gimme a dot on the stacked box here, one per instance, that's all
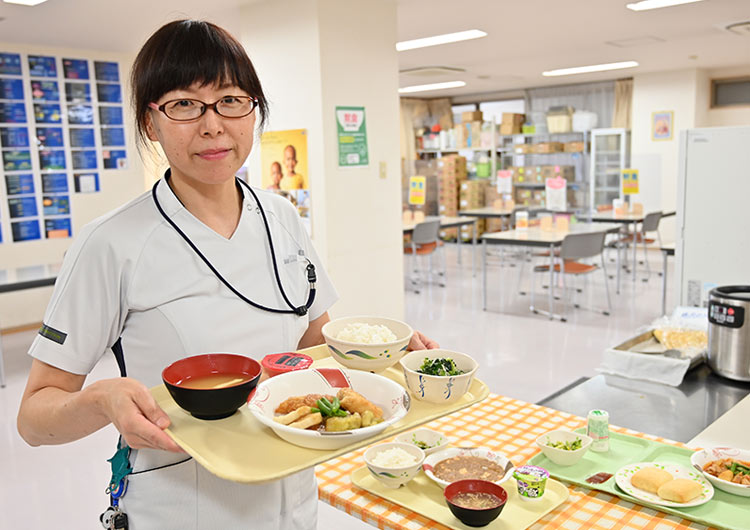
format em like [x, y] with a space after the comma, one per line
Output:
[453, 172]
[453, 165]
[527, 197]
[566, 172]
[522, 149]
[548, 147]
[472, 115]
[467, 231]
[512, 123]
[574, 147]
[471, 194]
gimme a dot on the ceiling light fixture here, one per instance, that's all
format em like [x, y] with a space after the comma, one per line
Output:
[645, 5]
[432, 86]
[592, 68]
[25, 2]
[440, 39]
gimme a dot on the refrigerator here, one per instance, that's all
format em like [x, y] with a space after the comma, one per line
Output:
[713, 212]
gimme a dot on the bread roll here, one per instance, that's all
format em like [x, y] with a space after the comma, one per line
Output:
[679, 490]
[650, 479]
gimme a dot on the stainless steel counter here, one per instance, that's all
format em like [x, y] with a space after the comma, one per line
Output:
[677, 413]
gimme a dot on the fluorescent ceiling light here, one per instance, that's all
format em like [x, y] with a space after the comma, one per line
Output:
[433, 86]
[592, 68]
[645, 5]
[439, 39]
[25, 2]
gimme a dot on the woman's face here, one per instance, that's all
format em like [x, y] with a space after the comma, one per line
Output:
[208, 150]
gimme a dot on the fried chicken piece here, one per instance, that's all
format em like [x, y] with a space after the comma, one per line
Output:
[293, 403]
[354, 402]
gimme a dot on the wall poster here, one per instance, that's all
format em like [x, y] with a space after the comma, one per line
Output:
[352, 137]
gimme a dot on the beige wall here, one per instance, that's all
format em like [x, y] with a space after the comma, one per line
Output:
[727, 116]
[117, 187]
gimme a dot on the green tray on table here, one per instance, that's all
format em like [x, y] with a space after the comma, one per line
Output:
[724, 510]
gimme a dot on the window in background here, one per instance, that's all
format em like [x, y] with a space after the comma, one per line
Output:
[458, 109]
[730, 92]
[494, 109]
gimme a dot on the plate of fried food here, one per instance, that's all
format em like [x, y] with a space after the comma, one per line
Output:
[328, 408]
[664, 484]
[726, 468]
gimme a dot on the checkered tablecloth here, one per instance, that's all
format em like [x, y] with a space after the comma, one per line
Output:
[511, 427]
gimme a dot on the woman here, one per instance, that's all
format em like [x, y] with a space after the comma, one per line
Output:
[132, 282]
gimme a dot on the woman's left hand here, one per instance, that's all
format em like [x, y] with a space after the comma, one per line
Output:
[421, 342]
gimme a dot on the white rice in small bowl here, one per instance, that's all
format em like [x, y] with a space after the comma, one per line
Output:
[394, 463]
[366, 342]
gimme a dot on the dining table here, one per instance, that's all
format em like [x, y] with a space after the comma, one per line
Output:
[536, 236]
[509, 426]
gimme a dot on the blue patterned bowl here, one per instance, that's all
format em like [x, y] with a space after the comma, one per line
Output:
[394, 476]
[433, 388]
[374, 357]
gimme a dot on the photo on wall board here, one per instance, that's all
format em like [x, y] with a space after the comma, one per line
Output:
[106, 71]
[113, 136]
[14, 137]
[12, 112]
[75, 68]
[57, 228]
[49, 137]
[77, 92]
[110, 115]
[47, 113]
[19, 184]
[81, 137]
[114, 159]
[11, 88]
[84, 159]
[55, 205]
[52, 159]
[10, 63]
[45, 91]
[22, 207]
[54, 183]
[42, 66]
[108, 93]
[80, 115]
[25, 230]
[17, 160]
[86, 182]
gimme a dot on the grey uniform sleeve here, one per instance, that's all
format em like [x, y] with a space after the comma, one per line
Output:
[85, 314]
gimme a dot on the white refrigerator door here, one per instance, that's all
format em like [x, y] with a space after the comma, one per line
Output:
[713, 212]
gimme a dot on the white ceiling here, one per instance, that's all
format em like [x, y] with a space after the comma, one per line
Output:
[525, 37]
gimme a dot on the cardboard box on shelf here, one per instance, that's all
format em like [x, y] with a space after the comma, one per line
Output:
[574, 147]
[473, 133]
[522, 149]
[459, 131]
[493, 224]
[548, 147]
[560, 119]
[513, 118]
[472, 115]
[566, 172]
[510, 128]
[448, 234]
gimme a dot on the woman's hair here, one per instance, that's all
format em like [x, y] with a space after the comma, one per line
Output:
[185, 52]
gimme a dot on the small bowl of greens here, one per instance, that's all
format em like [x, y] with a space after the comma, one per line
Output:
[564, 448]
[438, 376]
[427, 440]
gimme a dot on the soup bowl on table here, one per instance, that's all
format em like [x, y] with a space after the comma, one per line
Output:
[475, 502]
[366, 342]
[438, 376]
[213, 385]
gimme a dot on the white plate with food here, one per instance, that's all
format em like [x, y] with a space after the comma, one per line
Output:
[664, 484]
[328, 408]
[726, 468]
[460, 463]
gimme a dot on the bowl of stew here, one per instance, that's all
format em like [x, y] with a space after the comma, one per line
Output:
[461, 463]
[213, 385]
[475, 502]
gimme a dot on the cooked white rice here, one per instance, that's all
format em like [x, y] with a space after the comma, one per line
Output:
[366, 333]
[394, 457]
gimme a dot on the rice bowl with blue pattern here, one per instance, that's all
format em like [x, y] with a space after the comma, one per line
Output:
[372, 352]
[440, 389]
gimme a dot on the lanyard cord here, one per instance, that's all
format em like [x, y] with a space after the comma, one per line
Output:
[311, 276]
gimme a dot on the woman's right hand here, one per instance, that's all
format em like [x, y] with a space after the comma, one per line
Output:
[134, 412]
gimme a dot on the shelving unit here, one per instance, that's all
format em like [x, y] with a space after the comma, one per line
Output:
[610, 154]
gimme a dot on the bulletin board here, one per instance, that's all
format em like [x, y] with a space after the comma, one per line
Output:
[61, 126]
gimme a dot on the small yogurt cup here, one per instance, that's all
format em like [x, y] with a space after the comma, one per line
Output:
[282, 363]
[531, 482]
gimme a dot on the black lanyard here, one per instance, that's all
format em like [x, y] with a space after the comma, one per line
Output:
[311, 276]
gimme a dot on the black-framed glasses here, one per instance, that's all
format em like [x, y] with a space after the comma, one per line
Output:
[186, 109]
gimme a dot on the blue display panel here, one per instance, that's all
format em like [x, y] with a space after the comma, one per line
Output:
[49, 137]
[52, 159]
[75, 68]
[45, 91]
[114, 159]
[12, 113]
[10, 63]
[60, 227]
[47, 113]
[56, 204]
[106, 71]
[108, 93]
[86, 182]
[54, 183]
[11, 88]
[20, 184]
[84, 159]
[82, 138]
[77, 92]
[25, 230]
[113, 136]
[14, 137]
[80, 115]
[16, 160]
[22, 207]
[110, 115]
[42, 66]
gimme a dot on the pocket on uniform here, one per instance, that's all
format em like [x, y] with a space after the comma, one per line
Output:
[162, 499]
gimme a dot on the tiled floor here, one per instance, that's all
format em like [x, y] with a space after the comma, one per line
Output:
[521, 355]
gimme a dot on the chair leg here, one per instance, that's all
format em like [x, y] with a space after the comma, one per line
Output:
[606, 288]
[564, 310]
[520, 274]
[645, 258]
[533, 288]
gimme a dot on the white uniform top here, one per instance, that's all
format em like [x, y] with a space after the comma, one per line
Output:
[130, 276]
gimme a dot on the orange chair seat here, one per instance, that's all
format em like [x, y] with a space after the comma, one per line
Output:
[571, 267]
[545, 254]
[638, 237]
[427, 248]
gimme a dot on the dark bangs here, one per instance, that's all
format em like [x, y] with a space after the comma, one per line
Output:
[185, 52]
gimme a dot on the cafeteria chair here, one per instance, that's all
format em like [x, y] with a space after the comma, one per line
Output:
[425, 242]
[576, 247]
[649, 225]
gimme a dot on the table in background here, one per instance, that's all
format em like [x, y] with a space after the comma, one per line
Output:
[510, 427]
[666, 251]
[22, 278]
[454, 222]
[536, 237]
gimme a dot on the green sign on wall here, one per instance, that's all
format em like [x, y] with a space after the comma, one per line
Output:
[352, 137]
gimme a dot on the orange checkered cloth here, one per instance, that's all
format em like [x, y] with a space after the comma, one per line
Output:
[511, 427]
